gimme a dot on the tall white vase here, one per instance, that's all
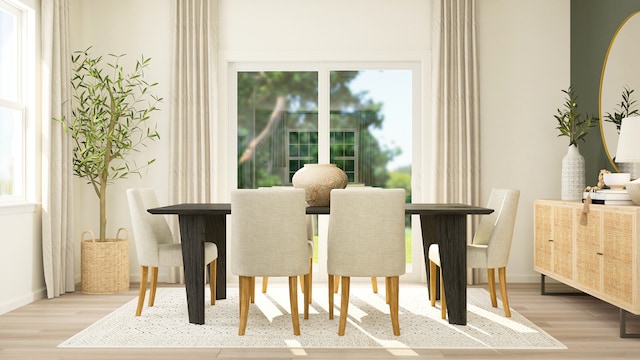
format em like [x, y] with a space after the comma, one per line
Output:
[573, 182]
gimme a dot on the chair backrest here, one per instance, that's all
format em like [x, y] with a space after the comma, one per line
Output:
[496, 229]
[269, 232]
[366, 232]
[148, 230]
[311, 222]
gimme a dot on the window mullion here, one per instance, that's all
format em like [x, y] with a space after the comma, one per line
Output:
[323, 115]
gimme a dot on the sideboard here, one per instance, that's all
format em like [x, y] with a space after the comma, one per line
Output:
[595, 249]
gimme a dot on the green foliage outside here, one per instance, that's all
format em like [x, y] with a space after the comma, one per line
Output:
[269, 103]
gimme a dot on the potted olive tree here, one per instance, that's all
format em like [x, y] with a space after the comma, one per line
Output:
[110, 119]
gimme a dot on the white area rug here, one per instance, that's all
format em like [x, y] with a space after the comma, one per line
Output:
[166, 324]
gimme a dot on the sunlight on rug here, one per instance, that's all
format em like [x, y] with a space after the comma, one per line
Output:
[166, 324]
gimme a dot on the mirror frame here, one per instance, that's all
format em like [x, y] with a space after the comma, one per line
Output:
[600, 110]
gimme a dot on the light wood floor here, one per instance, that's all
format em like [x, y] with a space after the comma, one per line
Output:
[587, 326]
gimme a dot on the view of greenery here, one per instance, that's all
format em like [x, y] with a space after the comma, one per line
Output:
[278, 132]
[272, 104]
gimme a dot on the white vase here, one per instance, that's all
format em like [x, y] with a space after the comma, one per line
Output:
[318, 180]
[573, 182]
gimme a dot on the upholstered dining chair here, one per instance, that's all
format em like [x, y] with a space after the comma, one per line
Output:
[269, 238]
[310, 235]
[155, 246]
[366, 239]
[374, 280]
[489, 248]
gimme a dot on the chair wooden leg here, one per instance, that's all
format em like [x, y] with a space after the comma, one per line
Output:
[330, 285]
[245, 294]
[293, 300]
[252, 297]
[374, 284]
[393, 283]
[303, 287]
[265, 283]
[336, 284]
[491, 280]
[432, 282]
[443, 299]
[502, 275]
[213, 272]
[144, 270]
[154, 286]
[344, 305]
[387, 286]
[307, 295]
[310, 280]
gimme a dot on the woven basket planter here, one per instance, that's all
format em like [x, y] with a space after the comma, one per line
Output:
[105, 264]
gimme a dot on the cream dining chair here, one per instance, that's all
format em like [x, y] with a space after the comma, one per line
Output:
[489, 248]
[269, 238]
[311, 225]
[155, 246]
[366, 239]
[310, 235]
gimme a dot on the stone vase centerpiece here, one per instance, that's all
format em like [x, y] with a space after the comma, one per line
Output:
[318, 180]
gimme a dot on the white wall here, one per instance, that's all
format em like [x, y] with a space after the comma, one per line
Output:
[524, 62]
[523, 49]
[20, 258]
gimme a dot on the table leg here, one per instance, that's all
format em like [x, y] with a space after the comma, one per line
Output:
[450, 233]
[194, 231]
[216, 232]
[192, 236]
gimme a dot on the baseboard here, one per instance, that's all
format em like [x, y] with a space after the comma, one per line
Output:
[22, 301]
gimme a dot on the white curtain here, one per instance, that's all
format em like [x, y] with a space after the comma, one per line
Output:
[57, 226]
[455, 167]
[455, 114]
[193, 102]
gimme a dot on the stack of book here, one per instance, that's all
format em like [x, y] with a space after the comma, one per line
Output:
[609, 197]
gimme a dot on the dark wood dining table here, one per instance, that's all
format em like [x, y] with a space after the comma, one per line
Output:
[442, 224]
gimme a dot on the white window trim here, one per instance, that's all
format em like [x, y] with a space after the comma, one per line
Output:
[27, 103]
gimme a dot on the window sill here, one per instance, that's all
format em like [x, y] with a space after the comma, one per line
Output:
[15, 209]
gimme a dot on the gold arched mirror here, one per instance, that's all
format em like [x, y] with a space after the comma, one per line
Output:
[620, 75]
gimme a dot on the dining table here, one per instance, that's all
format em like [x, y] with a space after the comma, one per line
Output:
[442, 224]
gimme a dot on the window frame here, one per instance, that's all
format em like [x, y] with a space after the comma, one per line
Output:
[26, 104]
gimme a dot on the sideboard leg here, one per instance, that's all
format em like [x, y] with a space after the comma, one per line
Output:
[623, 326]
[543, 290]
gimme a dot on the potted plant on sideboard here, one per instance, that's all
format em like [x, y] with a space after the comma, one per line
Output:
[110, 118]
[572, 125]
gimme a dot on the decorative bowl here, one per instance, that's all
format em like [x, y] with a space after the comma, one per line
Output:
[633, 188]
[617, 181]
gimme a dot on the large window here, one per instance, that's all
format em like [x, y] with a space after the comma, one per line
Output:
[365, 127]
[360, 120]
[16, 98]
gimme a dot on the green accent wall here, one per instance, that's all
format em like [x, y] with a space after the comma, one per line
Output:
[593, 24]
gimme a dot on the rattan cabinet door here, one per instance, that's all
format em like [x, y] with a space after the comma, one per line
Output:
[543, 237]
[618, 255]
[563, 227]
[589, 250]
